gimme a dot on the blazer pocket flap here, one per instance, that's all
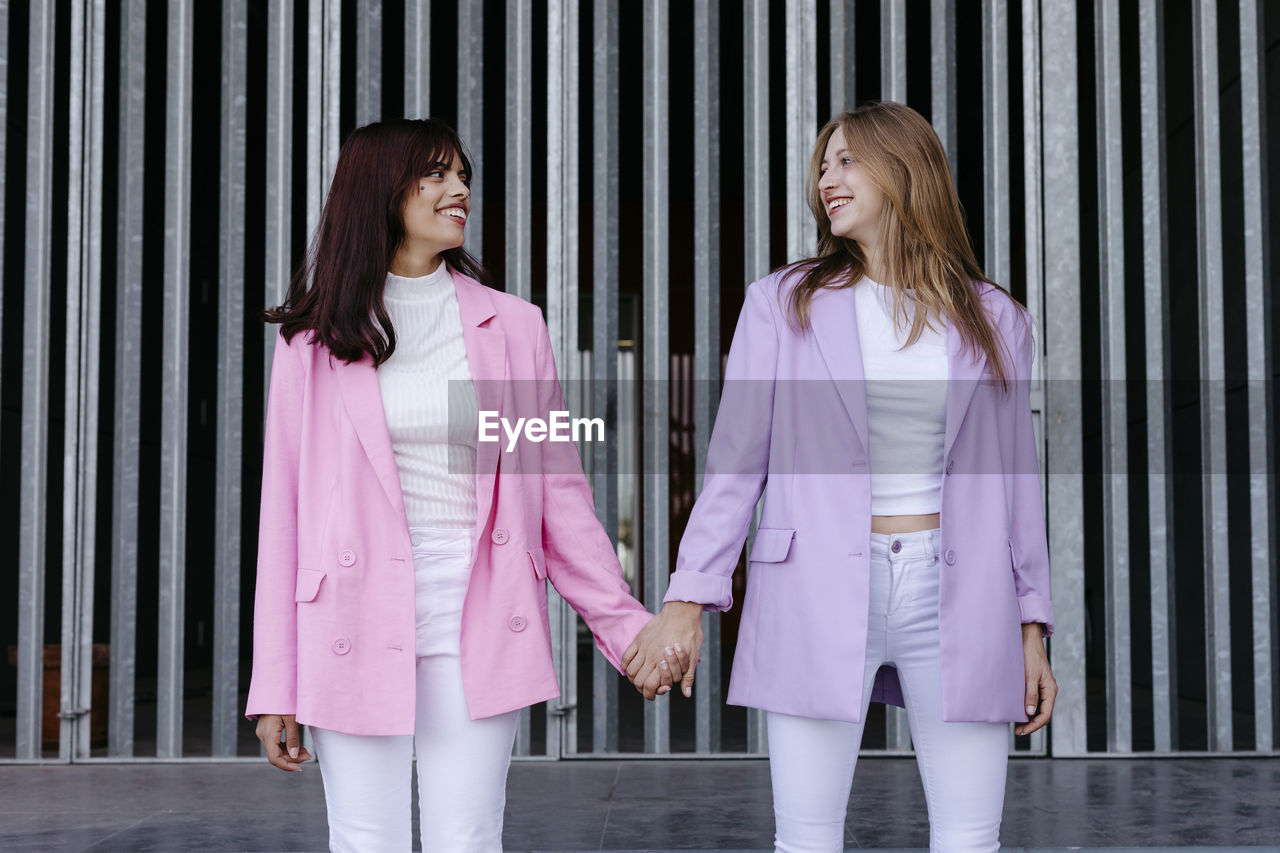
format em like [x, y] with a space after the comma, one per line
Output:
[308, 584]
[539, 562]
[772, 544]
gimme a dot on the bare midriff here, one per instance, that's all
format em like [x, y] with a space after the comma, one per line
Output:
[904, 523]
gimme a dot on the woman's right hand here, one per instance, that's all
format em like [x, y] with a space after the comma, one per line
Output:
[293, 753]
[668, 646]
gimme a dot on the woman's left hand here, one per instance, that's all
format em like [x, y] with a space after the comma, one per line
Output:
[1042, 689]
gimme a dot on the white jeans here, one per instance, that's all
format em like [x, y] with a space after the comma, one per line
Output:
[962, 765]
[462, 763]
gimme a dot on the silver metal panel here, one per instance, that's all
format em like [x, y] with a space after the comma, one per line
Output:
[801, 123]
[706, 313]
[656, 423]
[369, 61]
[471, 111]
[175, 381]
[562, 313]
[279, 218]
[1159, 446]
[231, 314]
[1033, 238]
[893, 50]
[1115, 425]
[128, 379]
[604, 327]
[1062, 225]
[519, 133]
[755, 132]
[995, 140]
[83, 328]
[942, 64]
[842, 43]
[417, 51]
[33, 483]
[1213, 404]
[756, 79]
[1257, 267]
[324, 95]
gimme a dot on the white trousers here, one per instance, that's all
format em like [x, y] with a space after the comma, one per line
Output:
[462, 763]
[962, 765]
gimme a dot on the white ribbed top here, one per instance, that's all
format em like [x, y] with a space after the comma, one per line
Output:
[430, 401]
[906, 405]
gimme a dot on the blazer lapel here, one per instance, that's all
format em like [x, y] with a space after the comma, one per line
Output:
[963, 373]
[487, 359]
[358, 383]
[835, 327]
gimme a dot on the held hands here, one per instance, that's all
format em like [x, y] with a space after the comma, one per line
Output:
[1042, 689]
[666, 651]
[289, 756]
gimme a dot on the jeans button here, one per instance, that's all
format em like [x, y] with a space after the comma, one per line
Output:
[896, 546]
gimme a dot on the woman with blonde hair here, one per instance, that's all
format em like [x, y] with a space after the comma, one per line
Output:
[881, 390]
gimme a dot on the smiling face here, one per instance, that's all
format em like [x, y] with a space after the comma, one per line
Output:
[435, 212]
[852, 202]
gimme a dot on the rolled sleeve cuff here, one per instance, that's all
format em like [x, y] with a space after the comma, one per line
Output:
[1036, 608]
[711, 591]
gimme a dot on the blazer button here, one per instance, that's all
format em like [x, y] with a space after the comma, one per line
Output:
[347, 557]
[341, 646]
[500, 536]
[516, 623]
[950, 557]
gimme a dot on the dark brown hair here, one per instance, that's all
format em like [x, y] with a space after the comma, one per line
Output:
[922, 238]
[336, 293]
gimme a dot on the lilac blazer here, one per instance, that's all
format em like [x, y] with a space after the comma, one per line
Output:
[794, 414]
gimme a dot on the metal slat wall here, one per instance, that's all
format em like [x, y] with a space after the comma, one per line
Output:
[1050, 186]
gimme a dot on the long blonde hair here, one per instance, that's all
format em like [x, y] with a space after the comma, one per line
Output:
[922, 240]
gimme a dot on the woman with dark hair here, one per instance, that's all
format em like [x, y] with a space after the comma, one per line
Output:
[402, 561]
[882, 390]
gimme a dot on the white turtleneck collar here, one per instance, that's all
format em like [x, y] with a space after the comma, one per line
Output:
[418, 288]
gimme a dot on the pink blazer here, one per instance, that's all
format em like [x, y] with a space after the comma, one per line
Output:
[333, 637]
[794, 414]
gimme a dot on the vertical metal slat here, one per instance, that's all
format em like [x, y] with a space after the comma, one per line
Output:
[706, 313]
[755, 114]
[324, 95]
[1262, 498]
[279, 171]
[417, 67]
[656, 352]
[995, 140]
[173, 407]
[604, 326]
[942, 64]
[128, 379]
[562, 313]
[35, 378]
[368, 61]
[471, 111]
[1115, 425]
[1159, 447]
[843, 46]
[893, 50]
[801, 123]
[1061, 135]
[1213, 404]
[231, 313]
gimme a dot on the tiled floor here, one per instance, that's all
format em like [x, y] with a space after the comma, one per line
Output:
[647, 805]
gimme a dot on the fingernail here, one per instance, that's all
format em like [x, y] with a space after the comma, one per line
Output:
[1031, 709]
[678, 648]
[688, 691]
[668, 650]
[663, 665]
[293, 753]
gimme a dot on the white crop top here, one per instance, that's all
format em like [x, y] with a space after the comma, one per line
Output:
[906, 405]
[430, 401]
